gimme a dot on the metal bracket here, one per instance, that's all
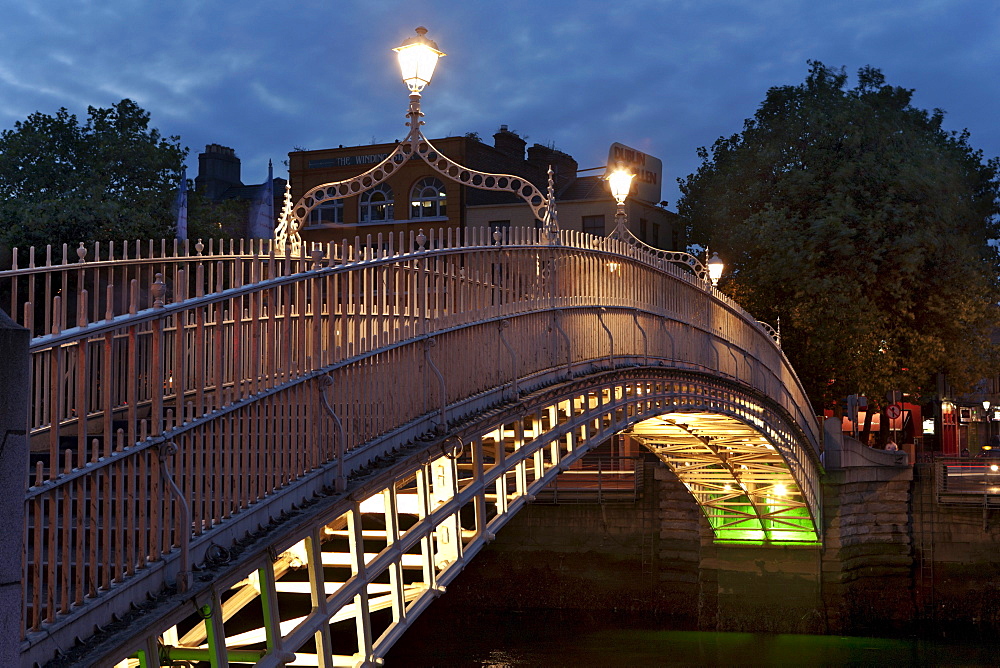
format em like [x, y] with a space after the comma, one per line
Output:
[772, 332]
[673, 344]
[557, 320]
[443, 425]
[294, 218]
[165, 450]
[502, 325]
[645, 341]
[611, 354]
[340, 482]
[681, 258]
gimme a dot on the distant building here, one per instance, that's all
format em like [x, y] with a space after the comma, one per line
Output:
[418, 197]
[219, 179]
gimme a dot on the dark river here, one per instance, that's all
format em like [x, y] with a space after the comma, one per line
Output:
[453, 638]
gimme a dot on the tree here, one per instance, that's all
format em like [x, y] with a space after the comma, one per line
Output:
[863, 225]
[223, 219]
[112, 178]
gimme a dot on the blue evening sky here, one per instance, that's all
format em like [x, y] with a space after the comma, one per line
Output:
[663, 76]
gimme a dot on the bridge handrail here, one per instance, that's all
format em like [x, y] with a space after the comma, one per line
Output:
[345, 257]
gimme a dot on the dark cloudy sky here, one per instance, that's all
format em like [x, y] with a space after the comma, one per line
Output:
[664, 76]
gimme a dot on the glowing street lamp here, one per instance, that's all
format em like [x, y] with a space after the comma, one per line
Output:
[620, 182]
[417, 58]
[715, 268]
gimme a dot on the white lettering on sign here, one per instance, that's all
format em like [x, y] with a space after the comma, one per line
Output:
[348, 160]
[647, 169]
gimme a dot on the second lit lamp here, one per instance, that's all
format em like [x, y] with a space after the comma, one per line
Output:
[620, 183]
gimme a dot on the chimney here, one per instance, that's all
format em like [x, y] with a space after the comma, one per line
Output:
[218, 170]
[563, 165]
[509, 143]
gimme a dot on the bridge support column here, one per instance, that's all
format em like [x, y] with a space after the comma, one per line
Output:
[14, 384]
[868, 552]
[765, 588]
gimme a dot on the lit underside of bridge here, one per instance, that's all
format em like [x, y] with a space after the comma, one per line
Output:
[344, 589]
[739, 479]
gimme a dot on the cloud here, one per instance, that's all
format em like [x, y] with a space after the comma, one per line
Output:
[277, 103]
[584, 73]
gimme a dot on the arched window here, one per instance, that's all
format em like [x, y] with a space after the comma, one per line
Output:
[330, 211]
[376, 204]
[428, 199]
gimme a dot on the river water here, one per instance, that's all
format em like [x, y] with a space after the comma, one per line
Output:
[455, 639]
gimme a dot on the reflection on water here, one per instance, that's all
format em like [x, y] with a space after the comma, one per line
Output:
[582, 640]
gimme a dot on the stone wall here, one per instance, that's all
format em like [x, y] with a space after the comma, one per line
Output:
[956, 571]
[893, 559]
[867, 552]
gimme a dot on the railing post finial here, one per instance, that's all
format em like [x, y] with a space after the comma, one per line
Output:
[159, 289]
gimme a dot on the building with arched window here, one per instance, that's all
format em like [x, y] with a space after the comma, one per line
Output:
[417, 197]
[377, 205]
[428, 199]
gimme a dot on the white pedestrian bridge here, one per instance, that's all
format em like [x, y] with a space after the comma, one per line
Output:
[238, 456]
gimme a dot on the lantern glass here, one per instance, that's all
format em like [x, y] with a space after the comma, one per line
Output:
[417, 58]
[715, 268]
[620, 182]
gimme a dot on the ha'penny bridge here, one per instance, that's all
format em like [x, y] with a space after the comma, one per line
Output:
[245, 455]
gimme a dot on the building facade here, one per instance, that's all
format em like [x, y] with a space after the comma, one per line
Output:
[417, 197]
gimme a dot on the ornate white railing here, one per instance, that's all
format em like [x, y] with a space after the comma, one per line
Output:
[32, 278]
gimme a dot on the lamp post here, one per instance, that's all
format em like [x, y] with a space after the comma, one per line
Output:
[987, 470]
[620, 183]
[986, 416]
[418, 56]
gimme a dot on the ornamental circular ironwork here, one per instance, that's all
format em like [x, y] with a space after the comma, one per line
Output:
[415, 142]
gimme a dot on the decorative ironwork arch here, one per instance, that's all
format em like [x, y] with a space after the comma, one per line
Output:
[294, 218]
[681, 258]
